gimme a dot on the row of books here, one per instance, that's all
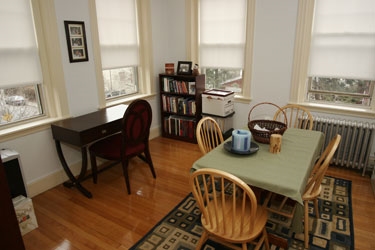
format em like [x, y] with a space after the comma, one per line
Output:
[179, 105]
[181, 87]
[180, 126]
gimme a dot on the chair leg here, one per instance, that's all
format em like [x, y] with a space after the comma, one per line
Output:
[316, 208]
[266, 242]
[94, 168]
[306, 223]
[149, 161]
[202, 240]
[244, 246]
[125, 164]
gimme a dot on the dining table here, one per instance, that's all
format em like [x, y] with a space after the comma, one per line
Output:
[285, 173]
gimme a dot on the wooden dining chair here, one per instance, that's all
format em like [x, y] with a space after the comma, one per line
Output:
[131, 142]
[229, 208]
[209, 134]
[281, 205]
[297, 116]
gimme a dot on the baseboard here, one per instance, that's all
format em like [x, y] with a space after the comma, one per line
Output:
[52, 180]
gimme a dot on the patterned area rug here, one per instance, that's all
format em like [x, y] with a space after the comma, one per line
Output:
[181, 228]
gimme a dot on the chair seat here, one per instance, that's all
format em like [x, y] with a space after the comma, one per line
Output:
[110, 148]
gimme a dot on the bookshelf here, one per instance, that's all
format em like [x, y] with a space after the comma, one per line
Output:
[181, 105]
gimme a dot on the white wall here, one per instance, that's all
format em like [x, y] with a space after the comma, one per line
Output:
[275, 23]
[274, 32]
[80, 80]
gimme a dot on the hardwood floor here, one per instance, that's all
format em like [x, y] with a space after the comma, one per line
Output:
[112, 219]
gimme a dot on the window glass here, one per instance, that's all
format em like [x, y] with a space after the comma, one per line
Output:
[118, 82]
[340, 91]
[221, 78]
[20, 103]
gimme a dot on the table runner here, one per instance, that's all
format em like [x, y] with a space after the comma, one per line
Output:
[284, 173]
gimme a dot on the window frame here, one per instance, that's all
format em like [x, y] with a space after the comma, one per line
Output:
[192, 23]
[145, 68]
[53, 94]
[299, 82]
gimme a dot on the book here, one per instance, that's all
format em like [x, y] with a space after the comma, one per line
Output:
[192, 88]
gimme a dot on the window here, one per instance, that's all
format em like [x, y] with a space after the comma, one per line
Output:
[118, 36]
[20, 93]
[340, 91]
[222, 37]
[338, 65]
[223, 46]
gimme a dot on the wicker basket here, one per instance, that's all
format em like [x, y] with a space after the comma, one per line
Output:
[273, 127]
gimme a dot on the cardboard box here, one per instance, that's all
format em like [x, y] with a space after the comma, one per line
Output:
[25, 214]
[218, 102]
[225, 123]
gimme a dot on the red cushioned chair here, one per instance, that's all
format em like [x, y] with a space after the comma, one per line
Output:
[131, 142]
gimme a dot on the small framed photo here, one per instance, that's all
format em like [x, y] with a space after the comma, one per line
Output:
[184, 68]
[76, 40]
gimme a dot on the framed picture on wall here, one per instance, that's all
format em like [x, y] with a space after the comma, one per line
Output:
[76, 40]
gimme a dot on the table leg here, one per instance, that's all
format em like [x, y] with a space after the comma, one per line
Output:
[73, 181]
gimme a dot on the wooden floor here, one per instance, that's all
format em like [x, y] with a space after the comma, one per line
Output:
[112, 219]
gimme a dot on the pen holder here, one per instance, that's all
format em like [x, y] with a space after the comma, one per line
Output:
[275, 143]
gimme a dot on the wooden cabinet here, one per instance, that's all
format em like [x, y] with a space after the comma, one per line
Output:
[10, 236]
[181, 105]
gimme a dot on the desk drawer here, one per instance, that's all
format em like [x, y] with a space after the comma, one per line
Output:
[100, 132]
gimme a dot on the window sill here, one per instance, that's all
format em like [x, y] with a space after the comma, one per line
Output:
[339, 110]
[16, 131]
[127, 100]
[242, 99]
[26, 129]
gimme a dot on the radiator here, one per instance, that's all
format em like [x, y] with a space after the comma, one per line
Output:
[356, 142]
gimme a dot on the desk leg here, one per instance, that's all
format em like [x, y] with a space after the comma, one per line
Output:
[76, 182]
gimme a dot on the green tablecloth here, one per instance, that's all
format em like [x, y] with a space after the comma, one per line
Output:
[285, 173]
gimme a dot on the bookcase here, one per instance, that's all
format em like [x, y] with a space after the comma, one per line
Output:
[181, 105]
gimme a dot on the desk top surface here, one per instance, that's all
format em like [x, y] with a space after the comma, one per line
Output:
[92, 120]
[284, 173]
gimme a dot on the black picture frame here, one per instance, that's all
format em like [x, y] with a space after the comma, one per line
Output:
[76, 40]
[184, 68]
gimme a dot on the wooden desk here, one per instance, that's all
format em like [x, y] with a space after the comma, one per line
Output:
[81, 131]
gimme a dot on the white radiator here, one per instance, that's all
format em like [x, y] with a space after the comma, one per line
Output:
[356, 141]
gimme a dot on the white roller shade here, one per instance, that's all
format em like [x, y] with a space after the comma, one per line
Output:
[117, 24]
[222, 34]
[343, 39]
[19, 56]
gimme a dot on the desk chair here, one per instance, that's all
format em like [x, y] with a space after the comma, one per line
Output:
[209, 134]
[131, 142]
[277, 205]
[298, 116]
[229, 209]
